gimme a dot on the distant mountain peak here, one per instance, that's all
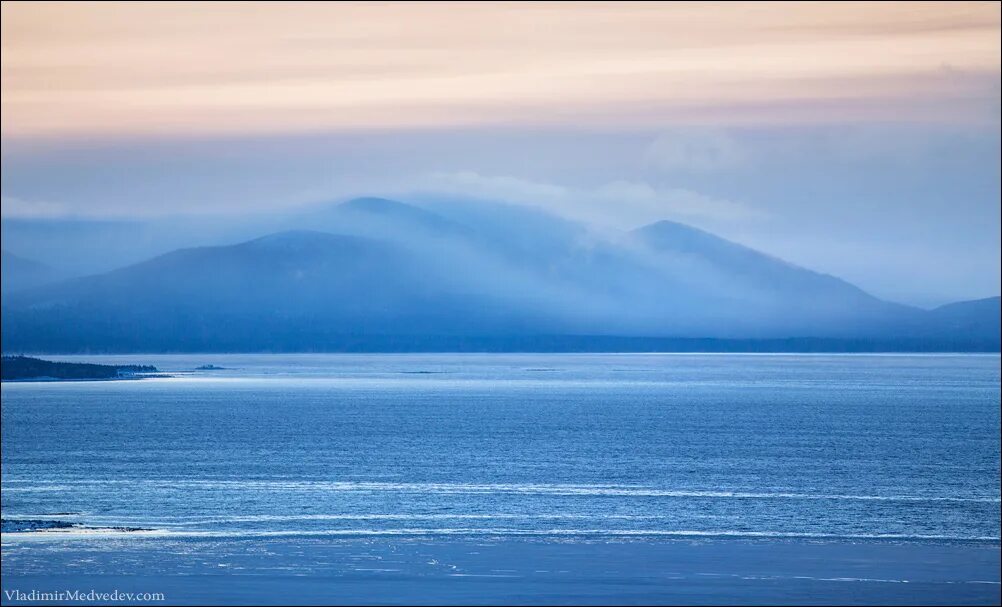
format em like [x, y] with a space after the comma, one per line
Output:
[21, 273]
[684, 238]
[665, 225]
[293, 236]
[667, 230]
[744, 264]
[985, 303]
[393, 213]
[375, 204]
[390, 208]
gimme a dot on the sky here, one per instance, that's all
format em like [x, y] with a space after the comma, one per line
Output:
[857, 139]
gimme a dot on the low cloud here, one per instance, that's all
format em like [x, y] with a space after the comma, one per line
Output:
[699, 150]
[13, 208]
[621, 204]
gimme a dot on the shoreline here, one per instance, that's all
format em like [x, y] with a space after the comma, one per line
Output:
[27, 368]
[53, 380]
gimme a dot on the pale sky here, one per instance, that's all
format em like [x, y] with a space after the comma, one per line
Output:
[182, 69]
[835, 135]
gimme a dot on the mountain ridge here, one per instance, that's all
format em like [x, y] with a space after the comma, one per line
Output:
[394, 269]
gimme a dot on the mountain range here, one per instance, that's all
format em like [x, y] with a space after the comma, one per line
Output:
[378, 274]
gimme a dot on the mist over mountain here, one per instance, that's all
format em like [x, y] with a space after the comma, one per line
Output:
[20, 273]
[379, 274]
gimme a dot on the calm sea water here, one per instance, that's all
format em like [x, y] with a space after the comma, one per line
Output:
[561, 445]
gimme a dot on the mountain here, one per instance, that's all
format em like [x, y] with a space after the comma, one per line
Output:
[976, 317]
[746, 266]
[773, 292]
[80, 246]
[381, 214]
[84, 246]
[290, 290]
[19, 273]
[378, 274]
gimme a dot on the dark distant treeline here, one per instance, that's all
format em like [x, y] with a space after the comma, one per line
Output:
[24, 367]
[291, 342]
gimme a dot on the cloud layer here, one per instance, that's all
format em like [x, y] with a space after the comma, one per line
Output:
[621, 204]
[186, 69]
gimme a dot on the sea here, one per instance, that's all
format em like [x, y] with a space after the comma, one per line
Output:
[553, 447]
[847, 446]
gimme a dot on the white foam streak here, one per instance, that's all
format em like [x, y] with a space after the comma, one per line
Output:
[499, 532]
[510, 488]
